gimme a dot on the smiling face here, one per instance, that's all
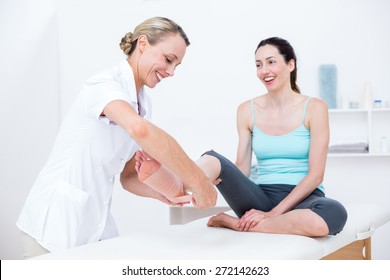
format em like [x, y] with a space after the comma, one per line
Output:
[160, 60]
[272, 69]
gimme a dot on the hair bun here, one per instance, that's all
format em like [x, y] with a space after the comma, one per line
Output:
[126, 42]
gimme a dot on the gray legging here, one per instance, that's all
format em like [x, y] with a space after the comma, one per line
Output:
[242, 195]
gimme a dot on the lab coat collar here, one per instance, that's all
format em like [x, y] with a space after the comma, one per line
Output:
[128, 77]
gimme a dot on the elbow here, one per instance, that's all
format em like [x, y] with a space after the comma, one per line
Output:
[139, 130]
[243, 167]
[318, 179]
[126, 180]
[123, 181]
[246, 171]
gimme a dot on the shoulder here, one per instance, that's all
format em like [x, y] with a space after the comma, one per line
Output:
[244, 106]
[317, 105]
[117, 77]
[244, 115]
[317, 113]
[255, 102]
[244, 110]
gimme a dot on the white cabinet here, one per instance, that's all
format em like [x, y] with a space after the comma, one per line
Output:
[370, 126]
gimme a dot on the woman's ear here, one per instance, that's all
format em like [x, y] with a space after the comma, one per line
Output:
[142, 43]
[291, 65]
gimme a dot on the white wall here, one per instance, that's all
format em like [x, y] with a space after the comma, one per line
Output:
[198, 105]
[29, 106]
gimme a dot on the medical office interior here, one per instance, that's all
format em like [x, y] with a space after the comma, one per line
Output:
[49, 47]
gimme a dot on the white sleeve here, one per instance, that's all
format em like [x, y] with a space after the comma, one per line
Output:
[98, 95]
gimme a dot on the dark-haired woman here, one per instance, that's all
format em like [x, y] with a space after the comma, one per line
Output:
[289, 133]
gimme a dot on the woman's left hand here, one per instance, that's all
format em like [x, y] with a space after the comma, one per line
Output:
[250, 219]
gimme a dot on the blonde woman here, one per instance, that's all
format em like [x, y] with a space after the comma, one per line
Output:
[69, 204]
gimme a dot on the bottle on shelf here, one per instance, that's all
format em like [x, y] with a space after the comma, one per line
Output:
[368, 96]
[377, 103]
[328, 84]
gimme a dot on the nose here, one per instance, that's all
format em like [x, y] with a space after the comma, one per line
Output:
[170, 71]
[264, 69]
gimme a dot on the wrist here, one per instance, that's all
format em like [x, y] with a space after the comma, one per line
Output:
[196, 178]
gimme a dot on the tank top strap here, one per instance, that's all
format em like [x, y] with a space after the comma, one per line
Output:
[305, 109]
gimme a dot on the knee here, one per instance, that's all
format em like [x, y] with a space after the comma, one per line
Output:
[211, 165]
[211, 153]
[341, 217]
[336, 218]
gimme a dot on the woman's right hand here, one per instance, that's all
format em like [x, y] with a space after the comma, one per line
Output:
[251, 219]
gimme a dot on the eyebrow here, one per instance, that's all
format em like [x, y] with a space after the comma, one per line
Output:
[174, 56]
[267, 58]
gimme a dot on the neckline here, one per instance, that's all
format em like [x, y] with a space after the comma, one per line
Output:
[284, 134]
[302, 124]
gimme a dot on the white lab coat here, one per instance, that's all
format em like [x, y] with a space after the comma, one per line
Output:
[69, 204]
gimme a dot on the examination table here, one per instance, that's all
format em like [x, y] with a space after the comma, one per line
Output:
[195, 240]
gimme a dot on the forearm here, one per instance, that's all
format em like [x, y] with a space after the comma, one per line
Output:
[165, 149]
[244, 168]
[133, 185]
[299, 193]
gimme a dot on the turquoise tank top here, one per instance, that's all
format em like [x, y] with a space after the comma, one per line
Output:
[282, 159]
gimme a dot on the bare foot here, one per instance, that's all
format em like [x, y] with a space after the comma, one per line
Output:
[224, 220]
[145, 165]
[156, 176]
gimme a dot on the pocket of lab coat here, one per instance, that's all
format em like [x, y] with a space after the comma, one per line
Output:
[71, 193]
[67, 216]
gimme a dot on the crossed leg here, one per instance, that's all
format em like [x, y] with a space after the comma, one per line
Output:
[299, 222]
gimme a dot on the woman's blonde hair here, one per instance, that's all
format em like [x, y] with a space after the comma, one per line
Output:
[155, 29]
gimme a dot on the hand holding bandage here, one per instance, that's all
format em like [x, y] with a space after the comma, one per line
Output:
[163, 181]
